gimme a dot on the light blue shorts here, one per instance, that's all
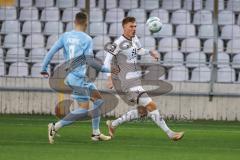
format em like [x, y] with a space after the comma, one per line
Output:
[82, 89]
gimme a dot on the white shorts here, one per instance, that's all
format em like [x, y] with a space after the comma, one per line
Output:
[136, 94]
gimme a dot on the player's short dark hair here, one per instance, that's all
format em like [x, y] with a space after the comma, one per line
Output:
[81, 18]
[128, 19]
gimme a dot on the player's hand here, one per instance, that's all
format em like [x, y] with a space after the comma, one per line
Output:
[109, 83]
[115, 70]
[155, 54]
[44, 74]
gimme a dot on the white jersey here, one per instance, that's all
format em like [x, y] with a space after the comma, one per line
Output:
[130, 83]
[130, 48]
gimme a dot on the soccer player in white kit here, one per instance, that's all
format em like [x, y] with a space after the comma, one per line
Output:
[129, 45]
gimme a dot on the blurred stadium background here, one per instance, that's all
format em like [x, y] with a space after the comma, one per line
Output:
[200, 51]
[199, 46]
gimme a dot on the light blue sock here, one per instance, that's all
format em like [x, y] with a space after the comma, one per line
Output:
[96, 116]
[77, 114]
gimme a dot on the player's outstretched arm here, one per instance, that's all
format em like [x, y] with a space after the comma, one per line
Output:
[154, 53]
[47, 59]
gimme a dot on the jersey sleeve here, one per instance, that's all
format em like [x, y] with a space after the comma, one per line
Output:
[57, 46]
[140, 50]
[110, 51]
[89, 48]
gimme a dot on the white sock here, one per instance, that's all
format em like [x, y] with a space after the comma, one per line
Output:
[130, 115]
[96, 132]
[58, 125]
[157, 118]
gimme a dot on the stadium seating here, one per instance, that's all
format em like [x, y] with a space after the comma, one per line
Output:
[36, 69]
[36, 55]
[201, 74]
[161, 13]
[65, 4]
[166, 31]
[13, 40]
[171, 4]
[230, 32]
[2, 68]
[196, 59]
[26, 3]
[149, 4]
[18, 69]
[223, 60]
[50, 14]
[30, 27]
[114, 15]
[233, 46]
[1, 55]
[173, 59]
[142, 30]
[148, 42]
[202, 17]
[178, 73]
[44, 3]
[96, 15]
[185, 30]
[98, 28]
[206, 31]
[168, 44]
[10, 27]
[8, 13]
[33, 26]
[115, 29]
[51, 40]
[16, 55]
[191, 44]
[209, 5]
[100, 41]
[181, 17]
[58, 57]
[29, 14]
[208, 46]
[139, 14]
[34, 41]
[226, 17]
[128, 4]
[69, 14]
[225, 74]
[81, 4]
[53, 28]
[236, 61]
[233, 5]
[109, 4]
[69, 26]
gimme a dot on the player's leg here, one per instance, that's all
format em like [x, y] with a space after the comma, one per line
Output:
[130, 115]
[96, 115]
[79, 94]
[133, 114]
[76, 114]
[154, 114]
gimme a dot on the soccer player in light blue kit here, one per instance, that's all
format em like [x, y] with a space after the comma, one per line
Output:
[76, 43]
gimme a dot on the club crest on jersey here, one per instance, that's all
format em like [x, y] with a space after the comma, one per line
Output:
[110, 47]
[125, 45]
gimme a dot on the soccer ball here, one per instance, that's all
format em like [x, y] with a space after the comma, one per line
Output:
[154, 24]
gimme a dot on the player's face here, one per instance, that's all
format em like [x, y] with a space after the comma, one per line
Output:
[129, 29]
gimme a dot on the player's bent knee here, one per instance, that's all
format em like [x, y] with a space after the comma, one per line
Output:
[84, 105]
[142, 111]
[151, 106]
[95, 96]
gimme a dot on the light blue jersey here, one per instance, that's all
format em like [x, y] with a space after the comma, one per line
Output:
[74, 43]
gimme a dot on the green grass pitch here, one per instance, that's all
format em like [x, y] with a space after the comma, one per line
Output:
[25, 138]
